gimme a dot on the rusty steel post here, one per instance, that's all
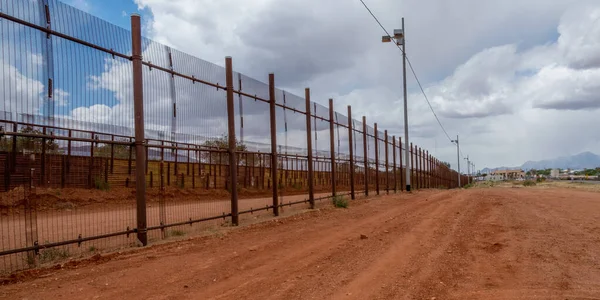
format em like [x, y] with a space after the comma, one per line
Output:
[112, 155]
[419, 171]
[366, 155]
[412, 163]
[422, 152]
[422, 166]
[332, 146]
[401, 170]
[428, 170]
[273, 122]
[91, 163]
[140, 154]
[387, 164]
[351, 147]
[311, 184]
[13, 158]
[376, 160]
[232, 141]
[394, 168]
[43, 161]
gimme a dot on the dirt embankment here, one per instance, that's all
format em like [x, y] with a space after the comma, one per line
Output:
[67, 198]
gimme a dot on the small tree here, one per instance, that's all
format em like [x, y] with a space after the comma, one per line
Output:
[222, 143]
[32, 144]
[120, 151]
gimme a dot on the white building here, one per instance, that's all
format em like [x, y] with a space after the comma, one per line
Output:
[554, 173]
[494, 177]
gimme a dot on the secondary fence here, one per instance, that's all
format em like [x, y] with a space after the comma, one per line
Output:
[109, 140]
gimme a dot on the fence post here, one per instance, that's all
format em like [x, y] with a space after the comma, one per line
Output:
[161, 200]
[130, 156]
[68, 160]
[420, 174]
[423, 169]
[394, 169]
[140, 154]
[91, 165]
[376, 160]
[412, 163]
[232, 141]
[146, 150]
[351, 147]
[13, 158]
[428, 169]
[332, 146]
[366, 155]
[311, 184]
[112, 155]
[401, 170]
[43, 160]
[387, 164]
[273, 123]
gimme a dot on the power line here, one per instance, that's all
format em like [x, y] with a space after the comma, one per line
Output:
[411, 68]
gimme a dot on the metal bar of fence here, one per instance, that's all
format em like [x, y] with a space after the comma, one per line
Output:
[61, 35]
[140, 153]
[387, 164]
[394, 162]
[351, 148]
[366, 155]
[332, 147]
[311, 188]
[66, 242]
[189, 222]
[376, 160]
[232, 142]
[273, 125]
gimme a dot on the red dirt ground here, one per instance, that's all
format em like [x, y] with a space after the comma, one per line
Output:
[497, 243]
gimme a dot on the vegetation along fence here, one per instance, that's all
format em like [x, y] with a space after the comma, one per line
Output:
[109, 139]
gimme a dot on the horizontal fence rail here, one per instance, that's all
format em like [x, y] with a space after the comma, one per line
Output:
[111, 140]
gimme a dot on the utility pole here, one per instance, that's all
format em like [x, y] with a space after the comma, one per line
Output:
[457, 157]
[400, 40]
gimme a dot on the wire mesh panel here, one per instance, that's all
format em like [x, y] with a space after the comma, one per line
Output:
[80, 25]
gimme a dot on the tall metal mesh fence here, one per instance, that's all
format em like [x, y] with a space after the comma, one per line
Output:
[67, 145]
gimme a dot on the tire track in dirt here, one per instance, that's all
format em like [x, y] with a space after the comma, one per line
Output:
[413, 257]
[329, 246]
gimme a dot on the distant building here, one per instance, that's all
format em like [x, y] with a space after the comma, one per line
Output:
[555, 173]
[492, 177]
[509, 174]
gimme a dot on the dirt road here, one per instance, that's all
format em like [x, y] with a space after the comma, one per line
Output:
[497, 243]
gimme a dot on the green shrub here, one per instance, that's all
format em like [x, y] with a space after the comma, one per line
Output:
[529, 183]
[53, 254]
[176, 233]
[100, 184]
[468, 186]
[340, 202]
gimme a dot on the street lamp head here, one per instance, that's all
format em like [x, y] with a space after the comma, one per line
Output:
[398, 34]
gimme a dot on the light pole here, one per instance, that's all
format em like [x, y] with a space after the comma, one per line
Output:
[399, 38]
[457, 157]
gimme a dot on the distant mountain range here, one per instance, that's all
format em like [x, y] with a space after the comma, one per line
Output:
[580, 161]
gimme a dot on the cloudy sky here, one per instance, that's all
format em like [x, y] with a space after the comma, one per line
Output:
[518, 80]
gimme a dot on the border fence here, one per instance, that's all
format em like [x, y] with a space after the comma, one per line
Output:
[109, 140]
